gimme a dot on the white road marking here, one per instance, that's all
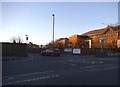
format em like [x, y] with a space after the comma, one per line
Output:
[8, 79]
[28, 74]
[96, 66]
[93, 62]
[73, 64]
[70, 63]
[103, 69]
[33, 79]
[101, 61]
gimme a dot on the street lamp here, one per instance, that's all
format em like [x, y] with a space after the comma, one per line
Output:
[26, 38]
[53, 26]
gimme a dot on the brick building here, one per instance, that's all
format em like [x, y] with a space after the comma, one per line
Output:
[108, 37]
[62, 42]
[79, 41]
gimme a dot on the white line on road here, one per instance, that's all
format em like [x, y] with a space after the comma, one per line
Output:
[97, 66]
[73, 64]
[33, 79]
[28, 74]
[103, 69]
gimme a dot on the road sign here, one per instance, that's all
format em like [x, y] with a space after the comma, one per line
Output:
[101, 40]
[76, 51]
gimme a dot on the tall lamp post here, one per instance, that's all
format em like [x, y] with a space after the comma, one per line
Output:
[26, 38]
[53, 26]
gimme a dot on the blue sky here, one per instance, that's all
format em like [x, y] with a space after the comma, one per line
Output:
[35, 19]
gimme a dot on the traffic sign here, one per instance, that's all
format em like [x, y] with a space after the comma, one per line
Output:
[101, 40]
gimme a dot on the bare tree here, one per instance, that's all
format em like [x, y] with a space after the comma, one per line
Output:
[16, 39]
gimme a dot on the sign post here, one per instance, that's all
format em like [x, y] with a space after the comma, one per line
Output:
[102, 43]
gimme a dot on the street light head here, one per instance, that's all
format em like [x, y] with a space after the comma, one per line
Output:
[53, 15]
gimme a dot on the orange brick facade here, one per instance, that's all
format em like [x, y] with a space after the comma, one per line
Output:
[79, 41]
[74, 40]
[62, 42]
[92, 39]
[110, 34]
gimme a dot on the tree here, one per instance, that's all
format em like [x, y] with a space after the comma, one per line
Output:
[50, 44]
[16, 39]
[55, 44]
[70, 45]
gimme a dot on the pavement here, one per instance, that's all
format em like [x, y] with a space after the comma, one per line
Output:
[60, 70]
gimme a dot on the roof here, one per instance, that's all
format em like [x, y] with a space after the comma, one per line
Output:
[101, 31]
[94, 32]
[117, 28]
[62, 39]
[74, 35]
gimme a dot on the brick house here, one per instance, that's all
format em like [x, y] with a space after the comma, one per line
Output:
[62, 42]
[79, 41]
[108, 37]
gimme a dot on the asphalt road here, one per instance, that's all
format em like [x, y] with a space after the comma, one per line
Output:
[61, 70]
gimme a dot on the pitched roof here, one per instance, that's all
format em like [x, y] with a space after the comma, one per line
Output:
[101, 31]
[94, 32]
[117, 28]
[62, 39]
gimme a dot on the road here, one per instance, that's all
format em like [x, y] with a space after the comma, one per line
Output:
[60, 70]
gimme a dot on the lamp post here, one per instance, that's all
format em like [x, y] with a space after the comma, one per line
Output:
[53, 26]
[26, 38]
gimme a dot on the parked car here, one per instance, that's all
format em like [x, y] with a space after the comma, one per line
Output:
[51, 52]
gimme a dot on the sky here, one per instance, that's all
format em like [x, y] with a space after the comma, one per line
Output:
[35, 19]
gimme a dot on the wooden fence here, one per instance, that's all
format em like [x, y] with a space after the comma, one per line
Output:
[14, 49]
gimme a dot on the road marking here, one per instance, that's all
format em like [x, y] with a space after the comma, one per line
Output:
[28, 74]
[33, 79]
[93, 62]
[101, 61]
[96, 66]
[70, 64]
[73, 64]
[103, 69]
